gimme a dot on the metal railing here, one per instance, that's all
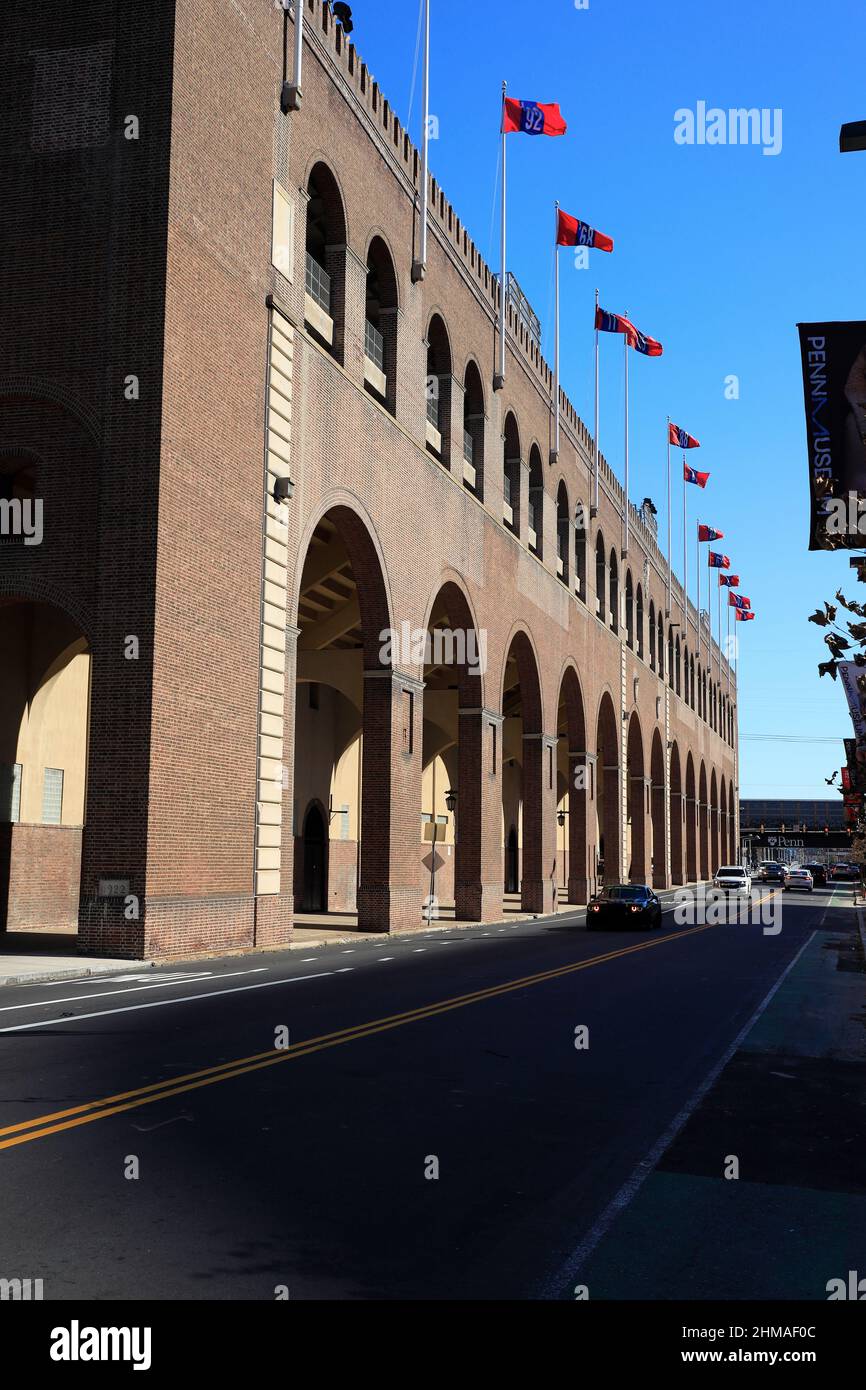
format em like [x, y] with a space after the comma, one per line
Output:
[318, 284]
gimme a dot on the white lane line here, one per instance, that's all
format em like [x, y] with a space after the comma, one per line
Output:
[306, 960]
[385, 957]
[163, 1003]
[417, 950]
[349, 952]
[554, 1286]
[343, 970]
[108, 993]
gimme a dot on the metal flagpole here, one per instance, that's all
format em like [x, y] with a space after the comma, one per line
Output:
[728, 642]
[419, 267]
[555, 452]
[670, 575]
[698, 571]
[499, 379]
[594, 508]
[685, 555]
[719, 587]
[625, 499]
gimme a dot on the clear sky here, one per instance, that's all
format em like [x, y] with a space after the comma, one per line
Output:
[719, 252]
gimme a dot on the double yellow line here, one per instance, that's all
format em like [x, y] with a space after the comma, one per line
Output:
[43, 1125]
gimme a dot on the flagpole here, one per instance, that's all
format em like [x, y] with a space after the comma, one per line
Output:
[625, 508]
[728, 644]
[419, 267]
[685, 554]
[555, 453]
[499, 379]
[670, 572]
[720, 631]
[698, 601]
[594, 508]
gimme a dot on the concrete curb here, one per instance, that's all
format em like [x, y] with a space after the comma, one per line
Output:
[32, 977]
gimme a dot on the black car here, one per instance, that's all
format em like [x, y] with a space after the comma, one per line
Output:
[773, 872]
[624, 905]
[819, 874]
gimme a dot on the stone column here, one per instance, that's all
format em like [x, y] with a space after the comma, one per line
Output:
[389, 895]
[478, 861]
[538, 884]
[580, 802]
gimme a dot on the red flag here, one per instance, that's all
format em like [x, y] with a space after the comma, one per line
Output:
[743, 615]
[732, 580]
[532, 117]
[571, 231]
[717, 561]
[618, 323]
[681, 438]
[739, 601]
[692, 475]
[706, 533]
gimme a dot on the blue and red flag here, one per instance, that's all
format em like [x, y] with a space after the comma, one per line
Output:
[731, 580]
[618, 323]
[532, 117]
[570, 231]
[717, 561]
[739, 601]
[681, 438]
[706, 533]
[692, 475]
[743, 615]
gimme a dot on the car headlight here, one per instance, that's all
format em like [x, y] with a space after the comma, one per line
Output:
[634, 908]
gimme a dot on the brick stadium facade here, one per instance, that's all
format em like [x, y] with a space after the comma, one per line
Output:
[208, 295]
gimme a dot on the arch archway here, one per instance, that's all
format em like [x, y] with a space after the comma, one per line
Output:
[658, 854]
[511, 461]
[325, 299]
[691, 814]
[473, 430]
[380, 325]
[724, 834]
[714, 822]
[573, 789]
[635, 849]
[528, 780]
[44, 734]
[676, 817]
[607, 783]
[703, 824]
[314, 887]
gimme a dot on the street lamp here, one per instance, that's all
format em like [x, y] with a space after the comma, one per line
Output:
[450, 799]
[852, 137]
[560, 816]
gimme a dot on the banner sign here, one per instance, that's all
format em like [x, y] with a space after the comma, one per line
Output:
[853, 678]
[834, 383]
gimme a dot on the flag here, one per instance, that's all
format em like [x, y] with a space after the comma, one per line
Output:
[681, 439]
[572, 232]
[739, 601]
[743, 615]
[692, 475]
[532, 117]
[732, 580]
[706, 533]
[717, 561]
[618, 323]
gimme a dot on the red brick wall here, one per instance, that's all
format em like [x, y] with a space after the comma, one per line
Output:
[40, 872]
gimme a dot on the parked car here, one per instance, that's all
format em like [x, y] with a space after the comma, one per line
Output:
[624, 905]
[819, 874]
[799, 879]
[732, 878]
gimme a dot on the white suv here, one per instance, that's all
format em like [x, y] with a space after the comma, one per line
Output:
[732, 878]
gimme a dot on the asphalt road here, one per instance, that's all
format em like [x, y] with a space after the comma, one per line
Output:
[307, 1167]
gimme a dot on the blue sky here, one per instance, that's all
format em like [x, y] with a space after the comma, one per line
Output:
[720, 251]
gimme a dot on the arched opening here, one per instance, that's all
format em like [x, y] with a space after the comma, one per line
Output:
[639, 622]
[512, 862]
[456, 759]
[671, 657]
[714, 823]
[528, 776]
[614, 592]
[652, 636]
[658, 849]
[677, 811]
[380, 326]
[692, 681]
[325, 299]
[511, 475]
[635, 848]
[573, 792]
[44, 725]
[535, 504]
[724, 828]
[691, 822]
[563, 534]
[314, 887]
[629, 610]
[473, 431]
[660, 645]
[600, 578]
[580, 519]
[438, 392]
[704, 824]
[345, 723]
[607, 807]
[677, 660]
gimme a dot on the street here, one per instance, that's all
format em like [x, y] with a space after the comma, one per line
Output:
[416, 1116]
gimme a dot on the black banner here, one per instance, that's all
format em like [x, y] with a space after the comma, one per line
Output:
[834, 383]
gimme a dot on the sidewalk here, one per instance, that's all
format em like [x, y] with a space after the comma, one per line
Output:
[30, 957]
[790, 1106]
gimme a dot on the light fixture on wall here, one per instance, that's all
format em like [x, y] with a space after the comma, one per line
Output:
[450, 799]
[284, 488]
